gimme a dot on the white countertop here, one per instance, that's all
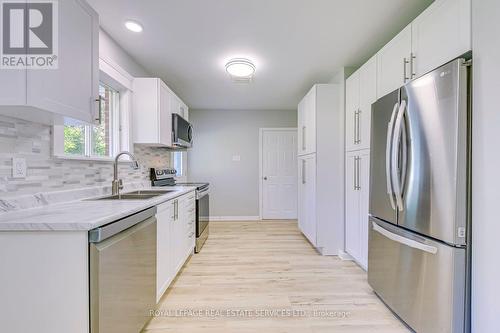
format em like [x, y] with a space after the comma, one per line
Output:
[82, 215]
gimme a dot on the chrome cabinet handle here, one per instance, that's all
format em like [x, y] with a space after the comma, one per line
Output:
[303, 171]
[388, 155]
[358, 132]
[303, 138]
[412, 65]
[396, 140]
[99, 109]
[358, 168]
[405, 63]
[355, 185]
[355, 127]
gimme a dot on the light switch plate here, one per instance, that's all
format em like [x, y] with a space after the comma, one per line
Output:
[18, 167]
[236, 158]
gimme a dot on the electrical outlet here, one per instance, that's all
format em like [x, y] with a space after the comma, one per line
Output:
[236, 158]
[18, 167]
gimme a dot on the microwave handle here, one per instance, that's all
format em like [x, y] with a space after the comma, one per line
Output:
[190, 133]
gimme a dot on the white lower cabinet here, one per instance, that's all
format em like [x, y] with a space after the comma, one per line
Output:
[175, 239]
[307, 197]
[356, 205]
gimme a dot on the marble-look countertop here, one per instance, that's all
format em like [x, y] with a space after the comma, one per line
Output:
[82, 214]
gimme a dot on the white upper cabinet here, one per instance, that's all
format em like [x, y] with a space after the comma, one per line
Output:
[307, 123]
[151, 115]
[70, 90]
[438, 35]
[441, 33]
[393, 63]
[154, 104]
[361, 93]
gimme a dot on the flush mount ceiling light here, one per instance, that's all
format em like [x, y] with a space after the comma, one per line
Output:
[240, 68]
[133, 26]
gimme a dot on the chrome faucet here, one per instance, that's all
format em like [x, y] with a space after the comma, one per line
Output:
[117, 184]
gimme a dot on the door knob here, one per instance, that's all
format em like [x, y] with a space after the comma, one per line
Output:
[265, 178]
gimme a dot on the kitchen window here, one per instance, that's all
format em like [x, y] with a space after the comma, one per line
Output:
[179, 163]
[76, 140]
[95, 140]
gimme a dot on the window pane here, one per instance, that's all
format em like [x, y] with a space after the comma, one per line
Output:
[178, 163]
[74, 137]
[102, 137]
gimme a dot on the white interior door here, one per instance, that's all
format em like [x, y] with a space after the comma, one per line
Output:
[279, 174]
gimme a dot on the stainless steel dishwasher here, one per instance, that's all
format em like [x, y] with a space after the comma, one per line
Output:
[123, 273]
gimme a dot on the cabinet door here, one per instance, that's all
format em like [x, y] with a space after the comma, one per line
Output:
[301, 110]
[307, 197]
[13, 83]
[351, 109]
[393, 63]
[164, 273]
[441, 33]
[352, 198]
[175, 104]
[367, 96]
[183, 110]
[310, 122]
[301, 207]
[364, 193]
[165, 125]
[71, 89]
[190, 210]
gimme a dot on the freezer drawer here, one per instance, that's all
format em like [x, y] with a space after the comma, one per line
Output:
[421, 280]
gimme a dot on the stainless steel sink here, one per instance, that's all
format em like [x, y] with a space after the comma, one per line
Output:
[135, 195]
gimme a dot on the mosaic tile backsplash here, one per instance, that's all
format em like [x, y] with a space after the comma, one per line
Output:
[32, 141]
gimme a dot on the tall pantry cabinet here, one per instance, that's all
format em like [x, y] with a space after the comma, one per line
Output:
[361, 92]
[321, 161]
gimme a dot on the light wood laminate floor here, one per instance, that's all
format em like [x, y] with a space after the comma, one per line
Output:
[247, 268]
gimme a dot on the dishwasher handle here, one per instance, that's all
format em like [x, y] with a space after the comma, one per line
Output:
[109, 230]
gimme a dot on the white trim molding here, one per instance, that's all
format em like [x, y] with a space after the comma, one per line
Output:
[345, 256]
[234, 218]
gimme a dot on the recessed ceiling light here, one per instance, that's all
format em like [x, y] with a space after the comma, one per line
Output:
[240, 68]
[133, 26]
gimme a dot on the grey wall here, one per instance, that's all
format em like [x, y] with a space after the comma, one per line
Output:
[110, 50]
[486, 166]
[220, 135]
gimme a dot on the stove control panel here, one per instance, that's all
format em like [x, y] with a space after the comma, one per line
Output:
[159, 174]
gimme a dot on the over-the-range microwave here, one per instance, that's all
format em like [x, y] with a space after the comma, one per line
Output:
[182, 132]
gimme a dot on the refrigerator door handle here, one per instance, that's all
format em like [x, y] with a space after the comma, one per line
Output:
[403, 240]
[388, 151]
[396, 140]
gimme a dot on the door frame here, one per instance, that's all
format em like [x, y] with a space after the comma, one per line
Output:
[261, 159]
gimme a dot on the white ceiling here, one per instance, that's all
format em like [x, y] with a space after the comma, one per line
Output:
[294, 43]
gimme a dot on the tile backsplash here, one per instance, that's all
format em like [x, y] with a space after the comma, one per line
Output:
[32, 141]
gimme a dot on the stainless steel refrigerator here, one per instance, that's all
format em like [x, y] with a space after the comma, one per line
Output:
[419, 232]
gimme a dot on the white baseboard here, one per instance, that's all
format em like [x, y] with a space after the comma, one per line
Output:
[234, 218]
[345, 256]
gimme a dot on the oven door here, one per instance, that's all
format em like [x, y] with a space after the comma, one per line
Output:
[182, 132]
[202, 211]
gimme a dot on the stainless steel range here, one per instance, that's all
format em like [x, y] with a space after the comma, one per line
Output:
[165, 177]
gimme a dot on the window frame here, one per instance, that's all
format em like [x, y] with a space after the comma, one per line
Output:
[115, 77]
[183, 171]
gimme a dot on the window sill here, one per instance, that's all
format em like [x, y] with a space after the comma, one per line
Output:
[86, 158]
